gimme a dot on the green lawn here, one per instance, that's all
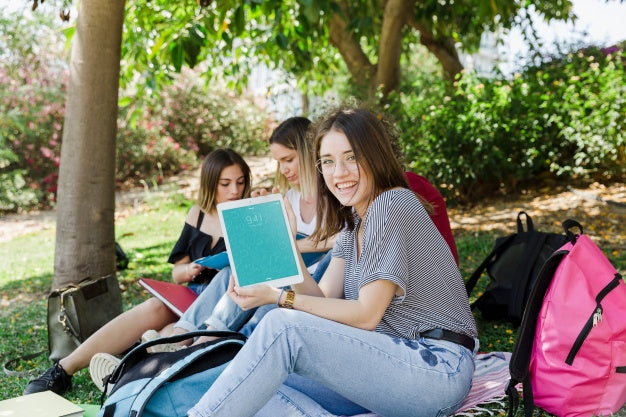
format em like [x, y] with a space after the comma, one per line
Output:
[147, 235]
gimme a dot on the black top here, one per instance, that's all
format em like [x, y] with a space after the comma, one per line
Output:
[196, 244]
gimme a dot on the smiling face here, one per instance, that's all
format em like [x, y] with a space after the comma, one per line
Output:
[348, 182]
[287, 162]
[231, 184]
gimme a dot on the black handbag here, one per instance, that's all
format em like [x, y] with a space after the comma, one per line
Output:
[75, 312]
[513, 266]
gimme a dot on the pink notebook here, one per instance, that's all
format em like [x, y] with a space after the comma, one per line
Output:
[177, 297]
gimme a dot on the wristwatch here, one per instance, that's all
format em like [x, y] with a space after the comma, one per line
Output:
[289, 298]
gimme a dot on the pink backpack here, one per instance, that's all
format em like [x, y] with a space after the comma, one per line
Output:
[570, 355]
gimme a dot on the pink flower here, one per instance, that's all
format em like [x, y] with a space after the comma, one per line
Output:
[47, 152]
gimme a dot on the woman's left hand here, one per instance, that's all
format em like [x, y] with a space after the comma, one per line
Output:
[252, 296]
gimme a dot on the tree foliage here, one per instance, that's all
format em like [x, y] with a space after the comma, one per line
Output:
[313, 39]
[561, 118]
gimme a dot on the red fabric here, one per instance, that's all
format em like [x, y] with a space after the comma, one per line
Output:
[426, 190]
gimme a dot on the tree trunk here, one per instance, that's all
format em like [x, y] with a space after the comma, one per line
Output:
[395, 17]
[362, 70]
[85, 235]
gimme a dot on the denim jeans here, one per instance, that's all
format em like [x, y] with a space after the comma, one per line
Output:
[214, 308]
[389, 376]
[212, 300]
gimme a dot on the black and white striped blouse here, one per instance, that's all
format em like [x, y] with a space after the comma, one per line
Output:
[402, 244]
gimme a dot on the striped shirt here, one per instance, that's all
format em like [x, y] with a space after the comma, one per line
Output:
[401, 244]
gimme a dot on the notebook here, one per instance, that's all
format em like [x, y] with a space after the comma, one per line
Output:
[176, 297]
[40, 404]
[217, 261]
[259, 242]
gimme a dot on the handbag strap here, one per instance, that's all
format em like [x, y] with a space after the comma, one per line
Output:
[68, 327]
[29, 356]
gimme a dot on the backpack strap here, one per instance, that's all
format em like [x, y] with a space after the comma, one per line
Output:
[529, 223]
[568, 224]
[520, 359]
[140, 349]
[497, 250]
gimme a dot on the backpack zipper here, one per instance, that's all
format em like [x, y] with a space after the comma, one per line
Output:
[594, 319]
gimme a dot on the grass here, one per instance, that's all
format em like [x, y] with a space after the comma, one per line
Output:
[147, 235]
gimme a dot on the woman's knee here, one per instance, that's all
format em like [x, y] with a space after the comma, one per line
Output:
[154, 309]
[279, 319]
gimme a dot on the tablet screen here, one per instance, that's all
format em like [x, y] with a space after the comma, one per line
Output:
[259, 242]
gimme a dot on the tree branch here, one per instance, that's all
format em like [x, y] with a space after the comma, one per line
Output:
[442, 47]
[359, 65]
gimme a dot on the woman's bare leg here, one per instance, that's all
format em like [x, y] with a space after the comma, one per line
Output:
[120, 333]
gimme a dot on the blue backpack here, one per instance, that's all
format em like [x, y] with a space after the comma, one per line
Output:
[168, 384]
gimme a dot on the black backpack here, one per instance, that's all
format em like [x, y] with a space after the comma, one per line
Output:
[513, 266]
[168, 384]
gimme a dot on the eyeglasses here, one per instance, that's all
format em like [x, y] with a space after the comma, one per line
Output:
[326, 166]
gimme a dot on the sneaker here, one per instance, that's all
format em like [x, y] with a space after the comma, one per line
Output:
[101, 367]
[55, 379]
[165, 347]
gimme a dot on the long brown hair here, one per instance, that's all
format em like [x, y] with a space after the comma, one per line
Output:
[212, 167]
[375, 154]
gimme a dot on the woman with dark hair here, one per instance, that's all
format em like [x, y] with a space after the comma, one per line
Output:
[388, 328]
[224, 176]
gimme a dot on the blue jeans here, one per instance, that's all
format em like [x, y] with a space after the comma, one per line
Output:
[211, 300]
[389, 376]
[214, 308]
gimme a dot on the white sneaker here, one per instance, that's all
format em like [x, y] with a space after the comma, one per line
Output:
[100, 367]
[165, 347]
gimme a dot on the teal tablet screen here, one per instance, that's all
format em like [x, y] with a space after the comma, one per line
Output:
[260, 244]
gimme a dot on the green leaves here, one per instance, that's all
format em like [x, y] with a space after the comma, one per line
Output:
[561, 118]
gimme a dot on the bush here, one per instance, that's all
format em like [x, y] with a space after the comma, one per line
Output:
[177, 127]
[561, 118]
[159, 135]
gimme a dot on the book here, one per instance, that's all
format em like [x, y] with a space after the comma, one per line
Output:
[176, 297]
[261, 248]
[217, 261]
[40, 404]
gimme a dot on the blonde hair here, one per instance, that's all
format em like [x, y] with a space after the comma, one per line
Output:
[212, 167]
[293, 134]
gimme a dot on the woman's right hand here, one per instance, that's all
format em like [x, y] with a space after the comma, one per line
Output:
[253, 295]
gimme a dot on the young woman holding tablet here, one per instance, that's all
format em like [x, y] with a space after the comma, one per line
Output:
[388, 327]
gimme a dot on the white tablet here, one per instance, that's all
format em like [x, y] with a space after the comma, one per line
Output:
[260, 246]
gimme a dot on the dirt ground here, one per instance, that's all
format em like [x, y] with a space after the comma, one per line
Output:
[600, 209]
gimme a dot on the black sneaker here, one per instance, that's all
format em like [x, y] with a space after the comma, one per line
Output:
[55, 379]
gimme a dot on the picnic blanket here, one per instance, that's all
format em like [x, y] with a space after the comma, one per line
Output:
[488, 385]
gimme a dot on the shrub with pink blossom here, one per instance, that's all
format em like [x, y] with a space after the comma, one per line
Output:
[158, 135]
[33, 79]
